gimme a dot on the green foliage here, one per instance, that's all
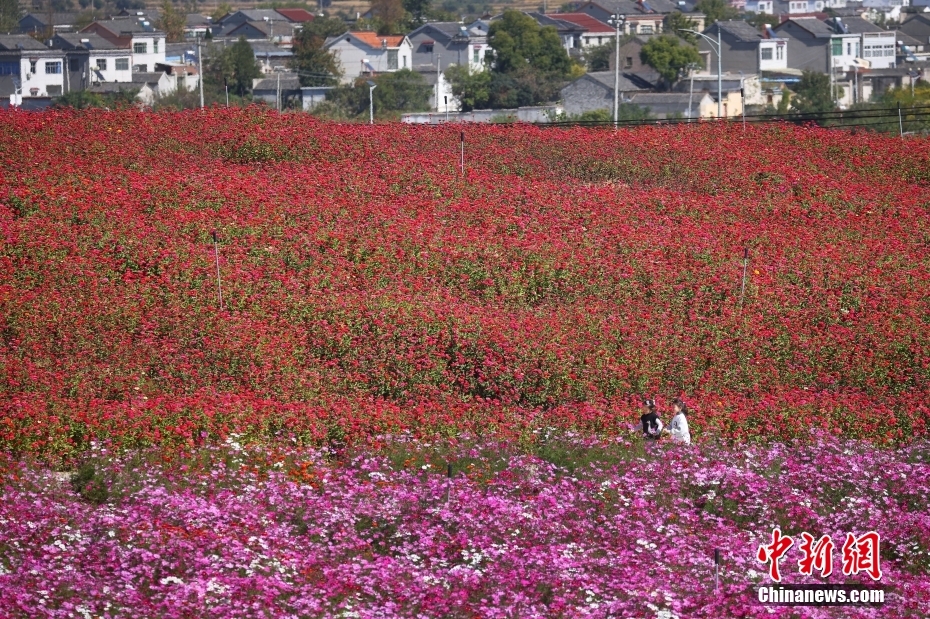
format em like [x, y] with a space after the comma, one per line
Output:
[418, 9]
[676, 21]
[518, 41]
[715, 10]
[470, 88]
[597, 58]
[528, 67]
[759, 19]
[669, 57]
[81, 99]
[171, 22]
[625, 111]
[812, 95]
[10, 14]
[235, 64]
[317, 65]
[91, 486]
[398, 92]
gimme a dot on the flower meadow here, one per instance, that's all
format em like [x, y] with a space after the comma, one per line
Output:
[238, 350]
[370, 287]
[236, 531]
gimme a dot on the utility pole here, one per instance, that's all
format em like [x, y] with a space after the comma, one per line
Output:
[200, 73]
[277, 98]
[617, 21]
[438, 58]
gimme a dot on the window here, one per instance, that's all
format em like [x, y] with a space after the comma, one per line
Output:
[632, 28]
[140, 68]
[858, 51]
[428, 47]
[9, 68]
[155, 47]
[102, 64]
[74, 64]
[392, 59]
[53, 91]
[629, 62]
[779, 52]
[848, 48]
[122, 64]
[140, 48]
[837, 47]
[889, 50]
[405, 61]
[52, 68]
[646, 29]
[476, 56]
[766, 53]
[32, 65]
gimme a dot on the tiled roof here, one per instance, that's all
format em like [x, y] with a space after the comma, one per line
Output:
[857, 25]
[58, 19]
[296, 15]
[288, 82]
[372, 39]
[628, 81]
[739, 29]
[12, 42]
[86, 40]
[811, 24]
[585, 21]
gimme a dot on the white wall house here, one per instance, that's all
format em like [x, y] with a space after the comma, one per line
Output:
[879, 49]
[42, 73]
[773, 54]
[766, 7]
[366, 53]
[135, 34]
[148, 49]
[92, 60]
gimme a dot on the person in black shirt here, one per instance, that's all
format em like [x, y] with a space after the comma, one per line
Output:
[652, 425]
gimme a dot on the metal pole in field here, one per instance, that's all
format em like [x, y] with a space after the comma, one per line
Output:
[219, 284]
[463, 152]
[742, 291]
[226, 88]
[742, 98]
[900, 122]
[200, 72]
[716, 569]
[719, 74]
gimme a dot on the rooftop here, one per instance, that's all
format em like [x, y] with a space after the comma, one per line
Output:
[813, 25]
[13, 42]
[371, 39]
[738, 29]
[857, 25]
[628, 81]
[585, 21]
[298, 16]
[82, 40]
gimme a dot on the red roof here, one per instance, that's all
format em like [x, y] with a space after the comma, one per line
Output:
[371, 39]
[296, 15]
[584, 20]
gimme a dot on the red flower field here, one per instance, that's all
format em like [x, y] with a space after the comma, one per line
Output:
[370, 287]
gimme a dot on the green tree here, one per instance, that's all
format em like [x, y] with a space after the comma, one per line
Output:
[397, 92]
[317, 65]
[236, 65]
[517, 40]
[598, 58]
[760, 19]
[715, 10]
[171, 22]
[669, 57]
[471, 88]
[676, 21]
[813, 94]
[418, 9]
[388, 16]
[10, 15]
[81, 99]
[222, 10]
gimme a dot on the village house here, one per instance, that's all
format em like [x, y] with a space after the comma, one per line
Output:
[366, 53]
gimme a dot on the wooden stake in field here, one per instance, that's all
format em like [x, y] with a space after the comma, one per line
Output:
[742, 291]
[463, 153]
[219, 284]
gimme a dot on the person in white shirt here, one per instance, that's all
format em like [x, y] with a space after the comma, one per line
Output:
[678, 426]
